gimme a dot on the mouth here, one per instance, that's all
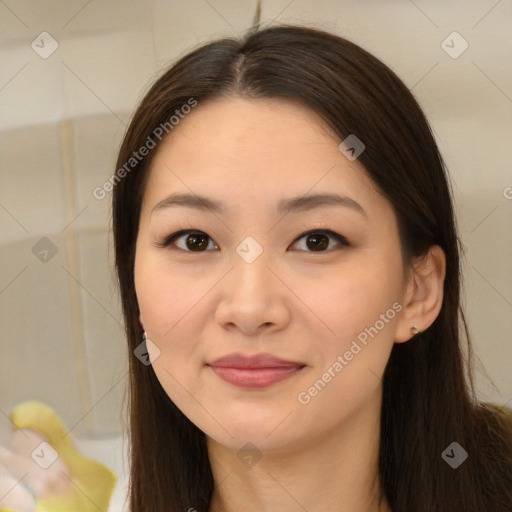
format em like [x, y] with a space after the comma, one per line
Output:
[254, 372]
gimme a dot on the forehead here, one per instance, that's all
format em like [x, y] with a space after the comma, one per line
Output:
[242, 149]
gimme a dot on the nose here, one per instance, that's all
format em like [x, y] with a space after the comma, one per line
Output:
[253, 299]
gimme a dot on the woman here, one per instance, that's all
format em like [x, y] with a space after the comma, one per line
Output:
[285, 241]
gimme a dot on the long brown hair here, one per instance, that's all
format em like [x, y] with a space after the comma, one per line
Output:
[429, 400]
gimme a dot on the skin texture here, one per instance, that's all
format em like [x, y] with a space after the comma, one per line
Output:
[292, 301]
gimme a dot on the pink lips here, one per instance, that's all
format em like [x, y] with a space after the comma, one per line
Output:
[254, 372]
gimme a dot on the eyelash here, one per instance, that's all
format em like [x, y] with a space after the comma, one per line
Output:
[168, 240]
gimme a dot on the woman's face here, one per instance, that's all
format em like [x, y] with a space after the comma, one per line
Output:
[250, 280]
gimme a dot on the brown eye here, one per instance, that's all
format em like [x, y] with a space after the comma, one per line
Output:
[316, 241]
[196, 241]
[193, 241]
[319, 240]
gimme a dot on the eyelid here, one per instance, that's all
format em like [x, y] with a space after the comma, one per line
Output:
[168, 240]
[324, 231]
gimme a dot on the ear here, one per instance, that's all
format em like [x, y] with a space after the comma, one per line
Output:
[141, 322]
[423, 296]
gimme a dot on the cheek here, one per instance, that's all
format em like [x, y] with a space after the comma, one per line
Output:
[167, 296]
[352, 299]
[361, 306]
[171, 309]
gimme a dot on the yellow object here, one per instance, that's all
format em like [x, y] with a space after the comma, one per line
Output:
[91, 482]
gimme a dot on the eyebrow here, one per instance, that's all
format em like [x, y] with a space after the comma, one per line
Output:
[285, 206]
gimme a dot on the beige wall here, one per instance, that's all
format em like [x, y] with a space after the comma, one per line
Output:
[62, 118]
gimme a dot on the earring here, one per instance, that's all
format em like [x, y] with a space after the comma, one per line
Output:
[413, 330]
[144, 336]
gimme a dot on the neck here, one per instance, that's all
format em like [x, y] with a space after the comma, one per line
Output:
[335, 473]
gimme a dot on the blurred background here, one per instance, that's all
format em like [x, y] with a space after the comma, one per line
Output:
[71, 75]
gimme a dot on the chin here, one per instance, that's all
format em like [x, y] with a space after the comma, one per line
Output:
[250, 439]
[262, 433]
